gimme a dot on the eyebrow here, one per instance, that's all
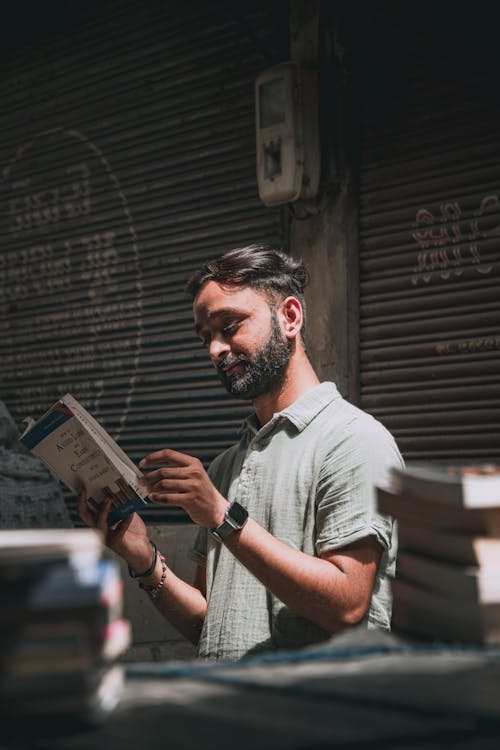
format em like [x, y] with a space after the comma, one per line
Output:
[219, 314]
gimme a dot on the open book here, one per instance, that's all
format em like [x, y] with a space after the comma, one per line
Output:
[79, 451]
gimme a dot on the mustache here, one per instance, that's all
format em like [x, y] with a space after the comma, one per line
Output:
[230, 361]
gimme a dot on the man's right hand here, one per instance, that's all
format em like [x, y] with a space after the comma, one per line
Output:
[128, 538]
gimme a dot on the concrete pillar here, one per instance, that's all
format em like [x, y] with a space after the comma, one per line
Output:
[323, 232]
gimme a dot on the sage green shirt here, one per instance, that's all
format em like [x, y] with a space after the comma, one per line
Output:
[308, 477]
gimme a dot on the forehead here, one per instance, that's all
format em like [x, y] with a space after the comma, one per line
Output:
[214, 300]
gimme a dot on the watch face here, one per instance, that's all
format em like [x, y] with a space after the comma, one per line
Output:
[238, 513]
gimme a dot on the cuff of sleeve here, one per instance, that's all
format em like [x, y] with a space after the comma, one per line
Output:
[382, 535]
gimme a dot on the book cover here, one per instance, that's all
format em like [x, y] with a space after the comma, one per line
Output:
[54, 684]
[79, 452]
[460, 486]
[427, 512]
[32, 546]
[58, 586]
[456, 548]
[464, 583]
[87, 696]
[421, 612]
[61, 646]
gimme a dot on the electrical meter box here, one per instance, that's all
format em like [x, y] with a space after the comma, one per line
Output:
[287, 134]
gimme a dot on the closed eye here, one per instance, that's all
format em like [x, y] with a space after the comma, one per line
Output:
[231, 328]
[225, 329]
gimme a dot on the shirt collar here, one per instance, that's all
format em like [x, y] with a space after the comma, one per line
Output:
[301, 412]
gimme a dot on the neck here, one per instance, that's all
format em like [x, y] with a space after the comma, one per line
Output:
[300, 378]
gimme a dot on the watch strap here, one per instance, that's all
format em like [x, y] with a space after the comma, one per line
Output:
[235, 518]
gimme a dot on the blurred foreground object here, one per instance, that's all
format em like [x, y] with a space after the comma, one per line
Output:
[61, 626]
[447, 584]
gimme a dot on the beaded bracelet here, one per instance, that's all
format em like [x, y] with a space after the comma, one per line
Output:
[153, 591]
[151, 568]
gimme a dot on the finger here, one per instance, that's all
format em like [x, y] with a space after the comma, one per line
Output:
[168, 486]
[102, 516]
[118, 530]
[82, 500]
[167, 455]
[168, 473]
[121, 525]
[83, 509]
[169, 498]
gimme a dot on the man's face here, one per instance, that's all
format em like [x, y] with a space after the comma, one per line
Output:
[243, 337]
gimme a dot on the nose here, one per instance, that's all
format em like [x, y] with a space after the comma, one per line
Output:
[218, 349]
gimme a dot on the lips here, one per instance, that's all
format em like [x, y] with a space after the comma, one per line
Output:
[233, 369]
[230, 367]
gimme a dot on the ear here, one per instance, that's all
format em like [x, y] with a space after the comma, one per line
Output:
[290, 312]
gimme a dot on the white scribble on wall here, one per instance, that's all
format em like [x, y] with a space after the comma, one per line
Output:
[450, 240]
[70, 277]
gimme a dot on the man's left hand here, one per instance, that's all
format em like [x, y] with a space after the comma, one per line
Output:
[183, 482]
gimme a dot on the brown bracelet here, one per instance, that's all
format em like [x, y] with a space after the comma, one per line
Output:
[153, 591]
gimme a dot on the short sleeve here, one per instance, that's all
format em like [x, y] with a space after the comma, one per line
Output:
[198, 551]
[346, 493]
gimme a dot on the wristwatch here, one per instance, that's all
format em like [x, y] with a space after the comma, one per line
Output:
[235, 518]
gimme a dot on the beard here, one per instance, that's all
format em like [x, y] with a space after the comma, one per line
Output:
[264, 371]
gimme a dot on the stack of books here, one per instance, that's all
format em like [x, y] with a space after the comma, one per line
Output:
[447, 584]
[61, 626]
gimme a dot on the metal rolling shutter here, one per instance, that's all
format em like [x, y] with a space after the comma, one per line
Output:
[128, 159]
[430, 231]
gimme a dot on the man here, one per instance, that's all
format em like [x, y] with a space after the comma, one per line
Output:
[290, 548]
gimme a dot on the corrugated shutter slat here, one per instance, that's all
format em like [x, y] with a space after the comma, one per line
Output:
[430, 232]
[129, 159]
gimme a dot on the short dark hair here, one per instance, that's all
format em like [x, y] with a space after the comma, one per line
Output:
[262, 267]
